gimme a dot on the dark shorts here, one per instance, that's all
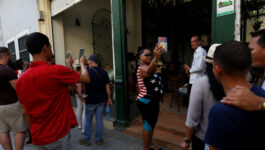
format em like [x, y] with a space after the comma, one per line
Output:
[149, 112]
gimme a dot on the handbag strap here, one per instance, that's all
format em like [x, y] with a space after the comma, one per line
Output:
[97, 73]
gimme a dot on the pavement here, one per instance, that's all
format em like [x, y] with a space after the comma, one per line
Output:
[113, 140]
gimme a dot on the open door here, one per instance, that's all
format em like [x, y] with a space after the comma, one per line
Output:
[223, 20]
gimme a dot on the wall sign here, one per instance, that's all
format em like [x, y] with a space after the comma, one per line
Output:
[225, 7]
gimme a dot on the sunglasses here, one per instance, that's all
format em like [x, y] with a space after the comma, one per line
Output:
[148, 54]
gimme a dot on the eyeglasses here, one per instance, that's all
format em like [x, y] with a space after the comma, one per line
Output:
[148, 54]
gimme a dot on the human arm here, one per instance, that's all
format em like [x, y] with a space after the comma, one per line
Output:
[69, 62]
[241, 97]
[84, 75]
[186, 144]
[79, 90]
[149, 70]
[186, 68]
[13, 83]
[198, 63]
[108, 89]
[26, 116]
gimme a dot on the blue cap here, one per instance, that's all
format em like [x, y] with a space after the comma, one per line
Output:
[94, 58]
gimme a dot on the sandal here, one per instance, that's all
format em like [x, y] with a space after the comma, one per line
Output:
[154, 147]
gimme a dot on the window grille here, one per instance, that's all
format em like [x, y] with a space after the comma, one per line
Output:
[102, 37]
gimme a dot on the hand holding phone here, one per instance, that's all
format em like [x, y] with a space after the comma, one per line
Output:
[81, 52]
[68, 54]
[162, 41]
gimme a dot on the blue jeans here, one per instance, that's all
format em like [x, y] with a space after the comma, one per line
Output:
[89, 111]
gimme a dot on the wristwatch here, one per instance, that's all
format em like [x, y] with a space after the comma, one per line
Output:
[187, 141]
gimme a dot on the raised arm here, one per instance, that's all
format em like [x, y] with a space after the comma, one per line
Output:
[84, 75]
[149, 70]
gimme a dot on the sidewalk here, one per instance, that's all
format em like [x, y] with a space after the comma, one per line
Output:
[113, 140]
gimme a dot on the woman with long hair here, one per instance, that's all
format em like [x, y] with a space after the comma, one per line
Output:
[205, 92]
[150, 93]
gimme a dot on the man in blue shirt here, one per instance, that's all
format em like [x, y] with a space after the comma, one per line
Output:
[242, 97]
[98, 92]
[231, 128]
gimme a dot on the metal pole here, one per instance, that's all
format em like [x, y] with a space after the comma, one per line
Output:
[237, 19]
[120, 62]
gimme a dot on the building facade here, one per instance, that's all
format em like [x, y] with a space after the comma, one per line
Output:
[112, 28]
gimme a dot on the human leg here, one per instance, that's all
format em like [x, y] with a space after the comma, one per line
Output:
[19, 140]
[147, 139]
[99, 119]
[151, 118]
[5, 140]
[83, 118]
[11, 119]
[144, 107]
[89, 111]
[79, 111]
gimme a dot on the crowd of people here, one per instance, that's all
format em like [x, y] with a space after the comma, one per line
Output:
[39, 99]
[225, 111]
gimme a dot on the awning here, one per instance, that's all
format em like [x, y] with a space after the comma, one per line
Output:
[58, 6]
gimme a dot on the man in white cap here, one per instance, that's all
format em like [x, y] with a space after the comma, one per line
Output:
[205, 93]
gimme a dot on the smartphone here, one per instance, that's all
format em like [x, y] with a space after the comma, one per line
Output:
[162, 41]
[81, 52]
[68, 54]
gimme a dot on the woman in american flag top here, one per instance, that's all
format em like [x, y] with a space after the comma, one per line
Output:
[150, 93]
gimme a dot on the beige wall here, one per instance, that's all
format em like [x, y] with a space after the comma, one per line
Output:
[45, 25]
[76, 37]
[58, 33]
[134, 24]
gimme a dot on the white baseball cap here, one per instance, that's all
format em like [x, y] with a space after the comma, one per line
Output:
[209, 57]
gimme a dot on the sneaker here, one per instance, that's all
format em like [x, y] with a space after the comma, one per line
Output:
[99, 142]
[84, 142]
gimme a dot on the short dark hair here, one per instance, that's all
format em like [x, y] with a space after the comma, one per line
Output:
[4, 51]
[233, 56]
[261, 34]
[35, 42]
[198, 37]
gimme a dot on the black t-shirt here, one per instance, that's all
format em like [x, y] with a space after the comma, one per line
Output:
[7, 92]
[96, 89]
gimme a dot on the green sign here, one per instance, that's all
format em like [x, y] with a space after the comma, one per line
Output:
[225, 7]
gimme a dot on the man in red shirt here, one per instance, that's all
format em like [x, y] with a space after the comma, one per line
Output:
[43, 92]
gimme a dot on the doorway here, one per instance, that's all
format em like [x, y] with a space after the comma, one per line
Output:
[178, 21]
